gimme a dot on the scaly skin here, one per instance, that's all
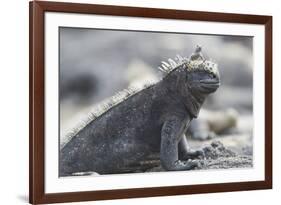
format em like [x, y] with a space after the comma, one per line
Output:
[151, 121]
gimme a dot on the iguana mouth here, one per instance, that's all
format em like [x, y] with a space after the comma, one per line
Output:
[210, 85]
[210, 82]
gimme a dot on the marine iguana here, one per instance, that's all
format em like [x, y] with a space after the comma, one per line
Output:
[138, 123]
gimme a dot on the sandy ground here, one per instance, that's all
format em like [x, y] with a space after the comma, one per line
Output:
[217, 156]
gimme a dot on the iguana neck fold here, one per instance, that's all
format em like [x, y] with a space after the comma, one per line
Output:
[193, 103]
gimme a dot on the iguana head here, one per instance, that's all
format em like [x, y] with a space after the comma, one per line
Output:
[202, 76]
[192, 79]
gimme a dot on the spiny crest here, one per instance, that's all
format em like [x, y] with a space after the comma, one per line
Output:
[169, 66]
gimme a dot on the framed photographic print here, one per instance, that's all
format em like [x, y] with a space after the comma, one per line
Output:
[139, 102]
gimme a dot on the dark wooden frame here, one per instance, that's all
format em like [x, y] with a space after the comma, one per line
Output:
[36, 100]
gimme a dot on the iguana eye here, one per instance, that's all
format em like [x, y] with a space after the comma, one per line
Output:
[212, 75]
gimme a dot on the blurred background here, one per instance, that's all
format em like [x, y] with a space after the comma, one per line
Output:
[95, 64]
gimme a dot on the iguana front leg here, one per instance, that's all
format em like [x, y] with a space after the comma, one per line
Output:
[171, 133]
[186, 153]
